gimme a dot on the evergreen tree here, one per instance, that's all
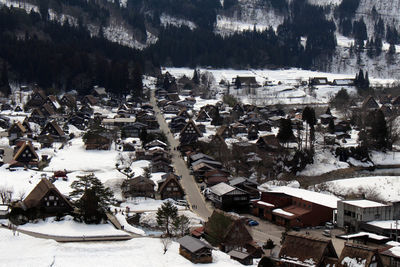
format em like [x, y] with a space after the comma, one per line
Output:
[143, 137]
[285, 133]
[331, 126]
[217, 120]
[379, 131]
[196, 76]
[90, 181]
[378, 46]
[137, 82]
[379, 29]
[366, 81]
[165, 216]
[181, 224]
[328, 111]
[392, 49]
[238, 84]
[308, 116]
[4, 83]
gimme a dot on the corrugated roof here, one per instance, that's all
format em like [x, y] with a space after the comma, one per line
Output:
[221, 189]
[192, 244]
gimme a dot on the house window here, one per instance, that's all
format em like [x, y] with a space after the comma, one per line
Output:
[168, 188]
[48, 204]
[51, 197]
[175, 188]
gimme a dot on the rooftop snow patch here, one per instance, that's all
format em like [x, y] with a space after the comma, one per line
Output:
[311, 196]
[364, 203]
[390, 224]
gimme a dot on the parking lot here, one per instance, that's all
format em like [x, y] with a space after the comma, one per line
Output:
[266, 230]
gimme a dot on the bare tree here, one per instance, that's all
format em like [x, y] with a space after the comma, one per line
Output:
[166, 242]
[6, 194]
[124, 163]
[21, 195]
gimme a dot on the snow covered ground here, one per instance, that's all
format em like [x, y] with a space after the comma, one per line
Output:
[384, 187]
[324, 162]
[24, 251]
[69, 227]
[282, 86]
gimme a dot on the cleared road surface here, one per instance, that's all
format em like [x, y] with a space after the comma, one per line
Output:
[193, 195]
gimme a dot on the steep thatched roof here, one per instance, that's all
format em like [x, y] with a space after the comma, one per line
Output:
[40, 191]
[306, 248]
[361, 254]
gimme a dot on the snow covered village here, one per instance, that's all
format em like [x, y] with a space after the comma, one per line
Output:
[215, 167]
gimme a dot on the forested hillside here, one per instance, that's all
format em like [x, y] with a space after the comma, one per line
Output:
[72, 44]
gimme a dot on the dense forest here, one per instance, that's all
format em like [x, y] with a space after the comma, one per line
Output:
[38, 50]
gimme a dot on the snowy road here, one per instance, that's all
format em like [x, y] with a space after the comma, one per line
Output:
[188, 183]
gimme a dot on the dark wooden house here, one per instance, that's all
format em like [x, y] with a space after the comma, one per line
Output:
[228, 198]
[161, 166]
[318, 81]
[17, 130]
[37, 98]
[89, 99]
[96, 141]
[359, 255]
[303, 250]
[227, 231]
[25, 155]
[68, 101]
[189, 134]
[369, 103]
[195, 250]
[47, 110]
[138, 187]
[241, 256]
[224, 131]
[203, 116]
[37, 116]
[268, 143]
[252, 133]
[54, 131]
[170, 187]
[133, 130]
[45, 200]
[53, 102]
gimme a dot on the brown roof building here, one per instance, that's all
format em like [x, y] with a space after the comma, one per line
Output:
[305, 250]
[357, 255]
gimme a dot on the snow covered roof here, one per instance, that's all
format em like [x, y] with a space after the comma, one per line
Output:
[192, 244]
[369, 235]
[265, 204]
[282, 212]
[391, 224]
[364, 203]
[311, 196]
[221, 189]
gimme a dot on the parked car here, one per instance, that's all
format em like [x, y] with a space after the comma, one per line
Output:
[327, 233]
[329, 225]
[252, 223]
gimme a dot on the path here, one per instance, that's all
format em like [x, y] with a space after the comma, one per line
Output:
[76, 238]
[188, 182]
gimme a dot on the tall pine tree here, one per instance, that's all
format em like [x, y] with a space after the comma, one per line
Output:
[4, 83]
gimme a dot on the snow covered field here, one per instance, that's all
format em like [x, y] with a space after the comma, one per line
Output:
[68, 227]
[283, 86]
[24, 251]
[386, 188]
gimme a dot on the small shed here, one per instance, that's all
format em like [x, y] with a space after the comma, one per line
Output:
[242, 257]
[195, 250]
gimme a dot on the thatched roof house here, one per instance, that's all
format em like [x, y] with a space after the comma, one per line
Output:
[306, 250]
[358, 255]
